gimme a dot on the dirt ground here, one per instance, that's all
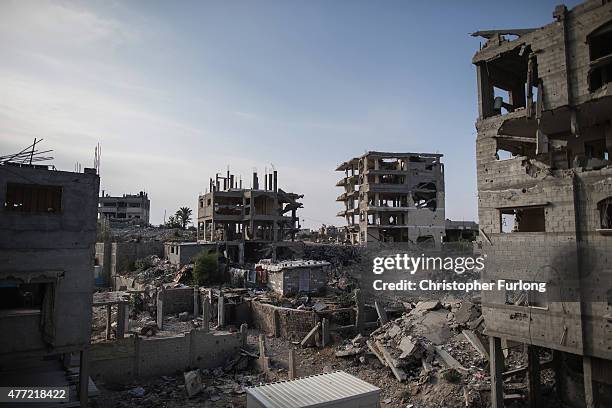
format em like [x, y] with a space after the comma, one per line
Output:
[228, 389]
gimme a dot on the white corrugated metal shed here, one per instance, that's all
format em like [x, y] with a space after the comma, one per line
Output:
[337, 389]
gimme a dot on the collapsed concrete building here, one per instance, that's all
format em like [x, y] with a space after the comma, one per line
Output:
[545, 196]
[48, 223]
[128, 207]
[393, 197]
[249, 222]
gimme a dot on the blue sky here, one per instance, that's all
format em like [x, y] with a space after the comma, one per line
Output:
[176, 91]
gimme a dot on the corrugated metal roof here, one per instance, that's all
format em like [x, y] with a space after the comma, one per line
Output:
[311, 391]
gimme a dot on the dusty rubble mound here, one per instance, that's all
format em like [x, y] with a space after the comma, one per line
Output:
[154, 271]
[428, 341]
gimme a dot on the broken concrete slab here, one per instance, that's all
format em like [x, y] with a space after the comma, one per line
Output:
[408, 347]
[434, 327]
[466, 312]
[425, 306]
[391, 363]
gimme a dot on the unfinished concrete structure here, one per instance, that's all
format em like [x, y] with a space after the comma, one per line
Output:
[129, 207]
[293, 277]
[393, 197]
[545, 195]
[248, 221]
[48, 224]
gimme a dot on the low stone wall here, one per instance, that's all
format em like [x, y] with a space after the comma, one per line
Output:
[123, 360]
[282, 322]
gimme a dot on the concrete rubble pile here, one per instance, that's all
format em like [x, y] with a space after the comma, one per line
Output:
[154, 271]
[130, 232]
[337, 255]
[428, 339]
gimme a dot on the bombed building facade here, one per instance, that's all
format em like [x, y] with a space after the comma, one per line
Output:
[393, 197]
[248, 221]
[128, 207]
[48, 224]
[545, 195]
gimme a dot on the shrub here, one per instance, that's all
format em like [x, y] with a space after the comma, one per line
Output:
[205, 268]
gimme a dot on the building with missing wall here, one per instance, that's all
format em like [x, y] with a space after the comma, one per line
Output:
[393, 197]
[255, 223]
[545, 197]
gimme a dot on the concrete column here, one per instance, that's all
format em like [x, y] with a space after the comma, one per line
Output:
[244, 334]
[108, 322]
[291, 363]
[205, 313]
[590, 390]
[324, 332]
[123, 319]
[359, 316]
[241, 251]
[160, 309]
[196, 302]
[533, 375]
[221, 311]
[496, 363]
[84, 378]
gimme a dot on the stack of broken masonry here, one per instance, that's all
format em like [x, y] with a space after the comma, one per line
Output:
[424, 338]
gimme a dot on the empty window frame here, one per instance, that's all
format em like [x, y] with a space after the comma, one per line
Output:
[600, 53]
[605, 213]
[33, 198]
[21, 296]
[522, 219]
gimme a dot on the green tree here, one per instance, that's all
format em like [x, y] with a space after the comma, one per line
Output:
[183, 216]
[173, 222]
[205, 268]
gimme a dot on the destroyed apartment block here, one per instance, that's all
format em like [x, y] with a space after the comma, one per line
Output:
[128, 207]
[393, 197]
[251, 223]
[48, 224]
[545, 196]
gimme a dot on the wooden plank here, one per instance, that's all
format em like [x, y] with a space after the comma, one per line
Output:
[310, 334]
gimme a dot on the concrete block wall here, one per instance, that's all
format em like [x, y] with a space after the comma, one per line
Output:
[177, 300]
[57, 246]
[126, 359]
[124, 254]
[283, 322]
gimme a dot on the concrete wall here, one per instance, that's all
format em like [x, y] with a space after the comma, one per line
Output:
[282, 322]
[126, 359]
[177, 300]
[124, 254]
[287, 281]
[55, 247]
[182, 253]
[568, 254]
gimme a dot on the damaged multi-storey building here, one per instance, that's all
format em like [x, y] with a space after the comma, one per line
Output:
[48, 224]
[251, 223]
[128, 207]
[545, 197]
[393, 197]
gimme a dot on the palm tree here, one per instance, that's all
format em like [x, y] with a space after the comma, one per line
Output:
[184, 216]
